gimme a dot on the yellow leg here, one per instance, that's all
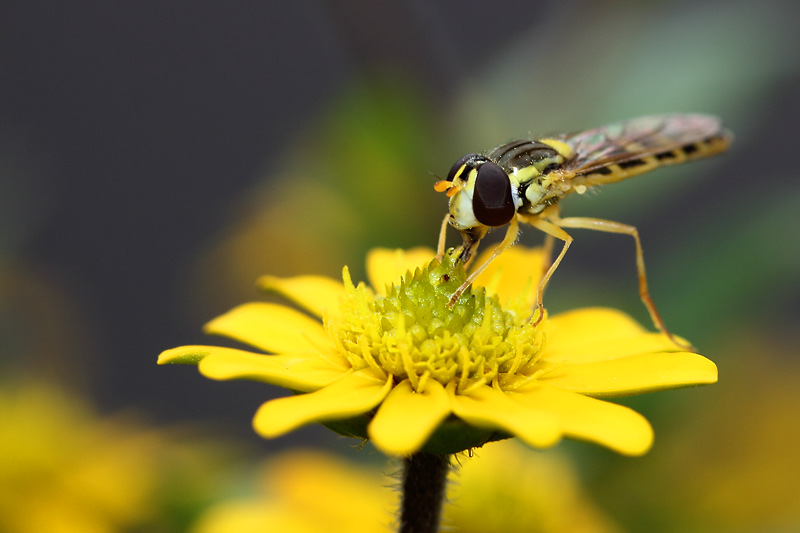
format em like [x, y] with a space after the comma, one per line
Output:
[547, 247]
[508, 241]
[442, 237]
[609, 226]
[551, 230]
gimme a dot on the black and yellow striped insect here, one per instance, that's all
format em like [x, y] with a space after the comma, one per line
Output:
[524, 180]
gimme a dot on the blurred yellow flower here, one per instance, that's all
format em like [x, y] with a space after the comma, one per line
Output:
[506, 487]
[393, 363]
[59, 472]
[740, 480]
[305, 491]
[65, 470]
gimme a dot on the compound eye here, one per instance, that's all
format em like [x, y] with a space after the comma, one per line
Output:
[491, 200]
[458, 164]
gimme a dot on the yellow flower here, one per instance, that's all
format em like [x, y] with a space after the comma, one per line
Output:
[394, 364]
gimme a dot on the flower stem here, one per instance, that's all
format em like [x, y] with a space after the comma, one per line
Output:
[424, 479]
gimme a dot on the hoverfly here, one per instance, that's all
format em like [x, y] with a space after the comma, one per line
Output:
[524, 180]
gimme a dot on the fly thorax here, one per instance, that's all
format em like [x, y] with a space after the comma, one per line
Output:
[531, 190]
[534, 194]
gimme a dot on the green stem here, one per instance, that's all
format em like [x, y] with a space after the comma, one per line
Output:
[424, 479]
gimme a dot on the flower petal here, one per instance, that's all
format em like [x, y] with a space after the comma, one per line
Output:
[269, 327]
[633, 375]
[406, 419]
[315, 294]
[614, 426]
[304, 372]
[386, 266]
[186, 355]
[597, 334]
[514, 276]
[350, 396]
[486, 407]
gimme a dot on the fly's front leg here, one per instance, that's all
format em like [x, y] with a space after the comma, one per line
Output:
[609, 226]
[442, 238]
[471, 238]
[508, 241]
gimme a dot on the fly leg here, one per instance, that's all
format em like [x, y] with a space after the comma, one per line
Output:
[547, 247]
[442, 237]
[552, 231]
[609, 226]
[508, 241]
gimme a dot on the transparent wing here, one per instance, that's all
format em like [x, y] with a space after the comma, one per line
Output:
[636, 138]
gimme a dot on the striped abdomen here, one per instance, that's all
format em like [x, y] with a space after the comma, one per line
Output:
[630, 166]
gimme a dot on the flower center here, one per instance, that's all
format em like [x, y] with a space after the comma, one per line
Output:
[412, 333]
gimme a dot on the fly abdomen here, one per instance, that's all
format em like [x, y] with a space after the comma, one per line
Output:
[613, 172]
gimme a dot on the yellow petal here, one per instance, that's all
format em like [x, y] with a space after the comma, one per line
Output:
[306, 371]
[406, 419]
[185, 355]
[315, 294]
[581, 417]
[610, 349]
[354, 394]
[386, 266]
[270, 327]
[633, 375]
[514, 276]
[489, 408]
[597, 334]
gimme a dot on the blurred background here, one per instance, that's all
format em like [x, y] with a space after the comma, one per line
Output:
[156, 157]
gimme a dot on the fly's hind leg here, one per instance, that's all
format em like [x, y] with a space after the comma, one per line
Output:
[609, 226]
